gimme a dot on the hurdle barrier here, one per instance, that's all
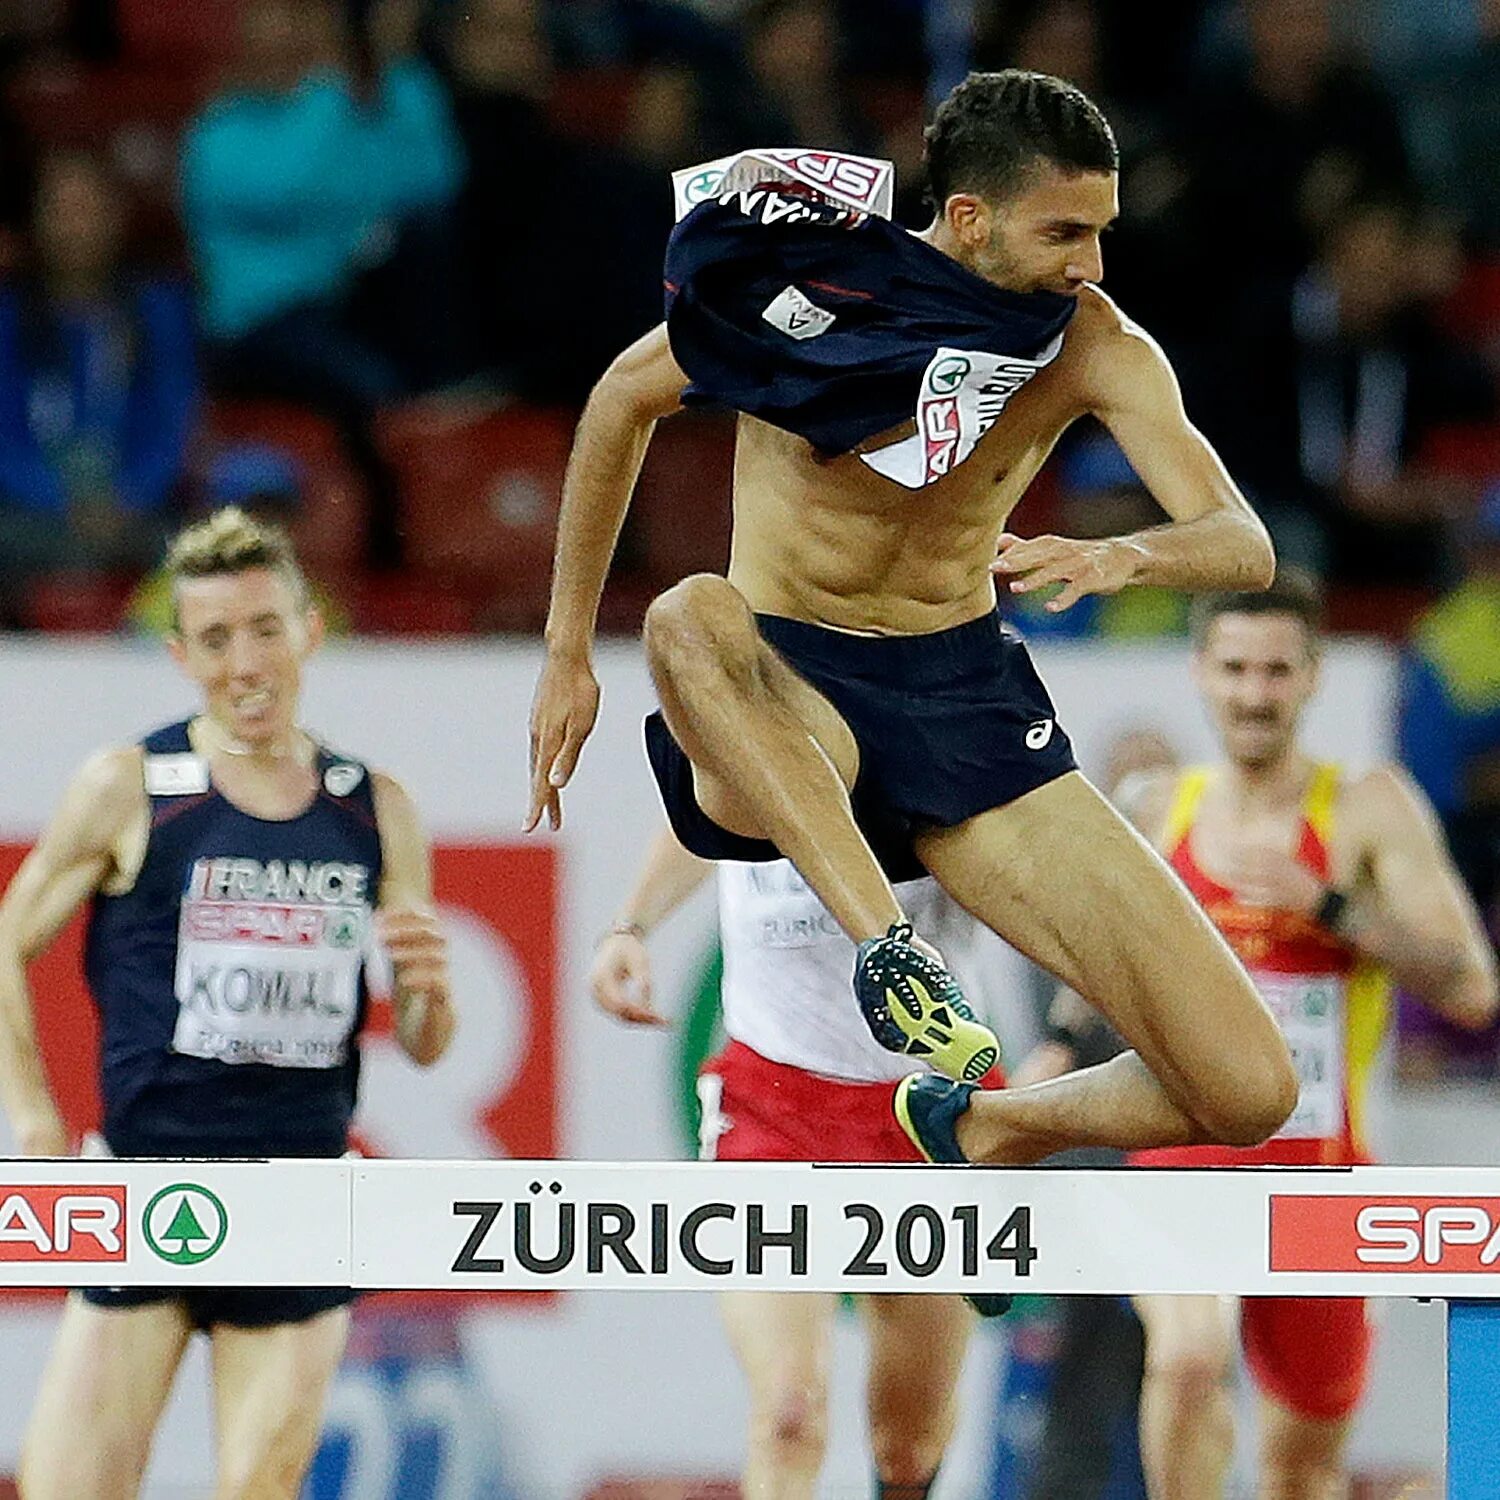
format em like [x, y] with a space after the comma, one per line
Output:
[576, 1225]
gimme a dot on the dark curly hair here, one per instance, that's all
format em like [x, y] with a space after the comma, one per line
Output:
[993, 130]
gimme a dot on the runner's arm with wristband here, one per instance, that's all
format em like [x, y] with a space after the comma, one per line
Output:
[1213, 540]
[620, 976]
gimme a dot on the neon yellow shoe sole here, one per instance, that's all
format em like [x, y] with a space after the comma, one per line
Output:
[914, 1006]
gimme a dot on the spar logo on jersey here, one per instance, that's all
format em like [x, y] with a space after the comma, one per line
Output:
[946, 375]
[1345, 1232]
[703, 185]
[281, 904]
[961, 396]
[44, 1225]
[862, 183]
[858, 179]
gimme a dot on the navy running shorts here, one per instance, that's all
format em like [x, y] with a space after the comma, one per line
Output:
[948, 724]
[239, 1306]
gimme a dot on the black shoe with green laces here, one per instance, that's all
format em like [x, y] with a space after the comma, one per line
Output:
[914, 1006]
[927, 1109]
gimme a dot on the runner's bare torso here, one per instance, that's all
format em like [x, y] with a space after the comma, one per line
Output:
[833, 542]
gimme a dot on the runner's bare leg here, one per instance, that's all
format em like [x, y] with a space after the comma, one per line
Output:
[1064, 878]
[771, 756]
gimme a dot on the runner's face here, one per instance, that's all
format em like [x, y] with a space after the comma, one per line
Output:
[1256, 673]
[243, 637]
[1046, 237]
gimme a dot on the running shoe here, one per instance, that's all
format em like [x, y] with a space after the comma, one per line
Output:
[914, 1006]
[927, 1109]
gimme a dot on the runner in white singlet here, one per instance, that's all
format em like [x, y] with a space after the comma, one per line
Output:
[801, 1079]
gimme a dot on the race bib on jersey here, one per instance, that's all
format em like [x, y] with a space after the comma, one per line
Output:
[269, 957]
[961, 395]
[1309, 1009]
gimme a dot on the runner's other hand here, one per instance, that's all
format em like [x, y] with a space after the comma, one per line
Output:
[620, 980]
[1104, 566]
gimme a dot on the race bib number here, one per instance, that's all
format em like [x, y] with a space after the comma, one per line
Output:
[1309, 1009]
[269, 961]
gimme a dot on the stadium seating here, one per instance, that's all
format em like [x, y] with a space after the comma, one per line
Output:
[480, 499]
[329, 527]
[76, 603]
[194, 36]
[679, 521]
[593, 105]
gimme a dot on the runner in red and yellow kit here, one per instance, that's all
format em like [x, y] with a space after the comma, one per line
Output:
[1331, 1001]
[1331, 888]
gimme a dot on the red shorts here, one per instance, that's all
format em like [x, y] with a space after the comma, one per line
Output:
[1310, 1354]
[770, 1111]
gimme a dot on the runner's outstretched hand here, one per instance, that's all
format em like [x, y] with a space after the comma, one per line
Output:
[562, 717]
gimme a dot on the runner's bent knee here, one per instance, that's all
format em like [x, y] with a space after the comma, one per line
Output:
[908, 1452]
[701, 615]
[1255, 1094]
[904, 1461]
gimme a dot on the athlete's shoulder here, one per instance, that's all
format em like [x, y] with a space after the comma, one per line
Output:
[395, 811]
[385, 786]
[106, 791]
[1381, 802]
[646, 376]
[114, 774]
[1101, 321]
[1112, 351]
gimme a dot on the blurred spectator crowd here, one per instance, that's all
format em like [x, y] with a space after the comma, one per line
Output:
[361, 259]
[357, 262]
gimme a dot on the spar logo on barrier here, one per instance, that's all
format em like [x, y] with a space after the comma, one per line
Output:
[552, 1233]
[1349, 1233]
[185, 1224]
[44, 1225]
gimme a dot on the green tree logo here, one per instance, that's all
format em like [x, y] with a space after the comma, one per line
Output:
[185, 1224]
[703, 185]
[949, 375]
[343, 931]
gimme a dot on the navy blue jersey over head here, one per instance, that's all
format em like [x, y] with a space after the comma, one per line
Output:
[230, 978]
[823, 321]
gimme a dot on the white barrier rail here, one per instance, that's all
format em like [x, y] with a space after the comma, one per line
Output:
[564, 1225]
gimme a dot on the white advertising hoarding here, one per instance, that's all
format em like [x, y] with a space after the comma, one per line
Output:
[534, 1059]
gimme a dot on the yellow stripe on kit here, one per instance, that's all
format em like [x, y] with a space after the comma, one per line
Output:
[1322, 794]
[1186, 799]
